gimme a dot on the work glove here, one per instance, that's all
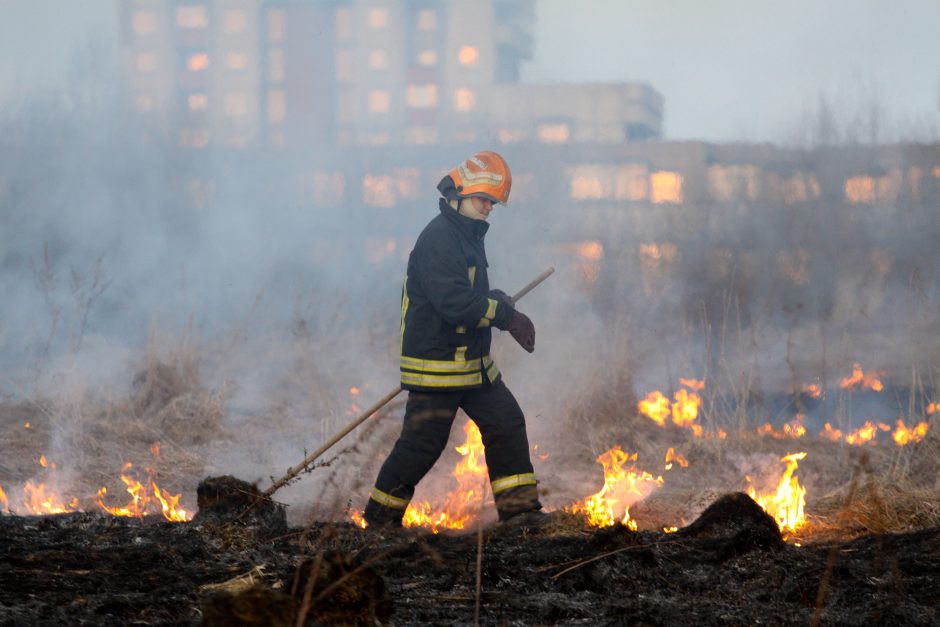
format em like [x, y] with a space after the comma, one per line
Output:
[522, 330]
[502, 297]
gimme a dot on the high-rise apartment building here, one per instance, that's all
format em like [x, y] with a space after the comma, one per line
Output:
[248, 73]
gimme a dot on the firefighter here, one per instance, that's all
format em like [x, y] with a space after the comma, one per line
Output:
[448, 312]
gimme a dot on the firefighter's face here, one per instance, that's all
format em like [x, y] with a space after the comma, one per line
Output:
[482, 206]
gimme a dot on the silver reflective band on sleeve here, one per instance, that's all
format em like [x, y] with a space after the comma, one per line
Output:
[388, 500]
[512, 481]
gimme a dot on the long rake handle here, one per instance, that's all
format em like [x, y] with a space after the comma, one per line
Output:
[361, 418]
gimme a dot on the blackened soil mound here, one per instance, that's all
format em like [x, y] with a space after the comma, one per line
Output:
[735, 515]
[226, 500]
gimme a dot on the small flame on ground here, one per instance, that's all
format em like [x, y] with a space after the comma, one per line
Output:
[833, 435]
[40, 502]
[670, 529]
[696, 385]
[622, 486]
[43, 462]
[155, 449]
[353, 391]
[792, 429]
[4, 501]
[142, 502]
[357, 518]
[933, 408]
[787, 503]
[541, 456]
[672, 456]
[813, 390]
[904, 435]
[683, 410]
[866, 434]
[860, 380]
[26, 425]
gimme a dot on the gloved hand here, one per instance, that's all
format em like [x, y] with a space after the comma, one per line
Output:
[522, 330]
[502, 297]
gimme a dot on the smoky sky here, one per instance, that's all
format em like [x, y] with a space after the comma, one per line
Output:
[730, 70]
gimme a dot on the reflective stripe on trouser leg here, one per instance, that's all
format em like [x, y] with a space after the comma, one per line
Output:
[425, 429]
[502, 425]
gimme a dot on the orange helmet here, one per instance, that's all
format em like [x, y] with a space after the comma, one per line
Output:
[484, 174]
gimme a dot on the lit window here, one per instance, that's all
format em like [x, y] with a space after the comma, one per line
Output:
[344, 66]
[277, 24]
[422, 96]
[421, 135]
[197, 62]
[464, 99]
[344, 23]
[236, 104]
[197, 102]
[143, 22]
[276, 71]
[379, 101]
[378, 18]
[936, 172]
[378, 191]
[427, 58]
[378, 60]
[665, 187]
[730, 182]
[234, 21]
[236, 60]
[277, 106]
[510, 135]
[469, 56]
[146, 62]
[590, 182]
[553, 133]
[143, 104]
[427, 19]
[192, 17]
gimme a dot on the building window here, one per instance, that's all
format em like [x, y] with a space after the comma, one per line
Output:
[197, 102]
[344, 23]
[631, 182]
[665, 187]
[276, 71]
[553, 133]
[422, 96]
[197, 62]
[277, 24]
[143, 22]
[731, 182]
[469, 56]
[277, 106]
[378, 191]
[379, 101]
[427, 19]
[234, 21]
[378, 59]
[192, 17]
[868, 189]
[427, 58]
[378, 18]
[236, 61]
[146, 62]
[236, 104]
[464, 99]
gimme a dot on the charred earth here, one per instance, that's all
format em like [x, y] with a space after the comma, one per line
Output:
[730, 566]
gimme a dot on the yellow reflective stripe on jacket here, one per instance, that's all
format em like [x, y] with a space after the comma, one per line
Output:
[433, 365]
[492, 304]
[388, 500]
[492, 372]
[512, 481]
[404, 310]
[472, 271]
[441, 381]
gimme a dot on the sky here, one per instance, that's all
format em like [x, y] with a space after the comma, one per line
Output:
[730, 70]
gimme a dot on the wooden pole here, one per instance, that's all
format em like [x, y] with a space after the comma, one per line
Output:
[361, 418]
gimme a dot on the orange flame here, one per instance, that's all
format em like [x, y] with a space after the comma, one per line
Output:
[142, 503]
[155, 449]
[656, 407]
[792, 429]
[683, 410]
[864, 434]
[43, 462]
[787, 503]
[904, 435]
[833, 435]
[672, 456]
[4, 501]
[696, 385]
[622, 488]
[357, 518]
[39, 502]
[462, 504]
[862, 381]
[813, 390]
[933, 408]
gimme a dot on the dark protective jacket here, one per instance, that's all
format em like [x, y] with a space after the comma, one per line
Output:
[446, 309]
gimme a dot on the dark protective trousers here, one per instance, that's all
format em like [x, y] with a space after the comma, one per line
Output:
[428, 420]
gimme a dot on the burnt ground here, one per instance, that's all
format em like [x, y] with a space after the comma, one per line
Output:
[728, 567]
